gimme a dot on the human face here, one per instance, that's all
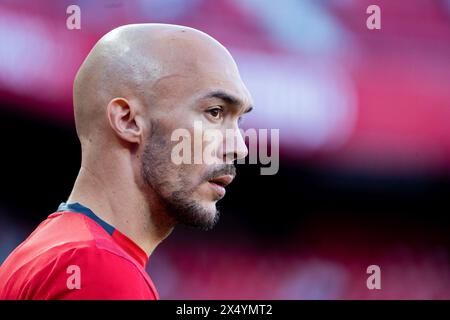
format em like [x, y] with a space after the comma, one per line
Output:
[189, 191]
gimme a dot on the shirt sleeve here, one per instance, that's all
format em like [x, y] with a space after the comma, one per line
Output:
[89, 273]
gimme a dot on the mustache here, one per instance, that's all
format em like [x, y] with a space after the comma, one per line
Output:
[226, 169]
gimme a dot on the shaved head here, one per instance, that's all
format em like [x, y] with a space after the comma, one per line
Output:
[132, 60]
[137, 85]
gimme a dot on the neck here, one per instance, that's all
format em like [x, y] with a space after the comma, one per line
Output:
[121, 203]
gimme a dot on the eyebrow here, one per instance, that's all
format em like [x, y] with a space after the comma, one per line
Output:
[228, 98]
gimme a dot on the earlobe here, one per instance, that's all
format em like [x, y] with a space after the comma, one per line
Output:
[122, 118]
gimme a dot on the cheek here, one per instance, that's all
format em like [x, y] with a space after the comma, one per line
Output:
[212, 149]
[190, 176]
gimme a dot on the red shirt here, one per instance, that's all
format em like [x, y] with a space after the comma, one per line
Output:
[74, 254]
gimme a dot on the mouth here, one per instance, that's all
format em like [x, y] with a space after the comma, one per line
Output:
[223, 180]
[219, 184]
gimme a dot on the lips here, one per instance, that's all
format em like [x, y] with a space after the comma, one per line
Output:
[218, 185]
[223, 180]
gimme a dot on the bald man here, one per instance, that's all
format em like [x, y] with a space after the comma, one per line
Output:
[138, 85]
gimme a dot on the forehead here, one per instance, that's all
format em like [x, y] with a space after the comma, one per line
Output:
[196, 82]
[193, 65]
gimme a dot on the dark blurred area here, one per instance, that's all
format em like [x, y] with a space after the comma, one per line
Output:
[364, 120]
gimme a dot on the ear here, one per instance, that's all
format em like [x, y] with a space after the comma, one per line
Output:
[124, 120]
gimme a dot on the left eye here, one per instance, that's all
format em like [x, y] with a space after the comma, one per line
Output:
[216, 112]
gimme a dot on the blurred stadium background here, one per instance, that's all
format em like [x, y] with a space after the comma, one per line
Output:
[364, 119]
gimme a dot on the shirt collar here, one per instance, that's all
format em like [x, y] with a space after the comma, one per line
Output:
[122, 240]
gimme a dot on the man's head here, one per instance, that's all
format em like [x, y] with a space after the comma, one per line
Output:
[138, 85]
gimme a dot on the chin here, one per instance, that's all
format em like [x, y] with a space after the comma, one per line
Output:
[210, 208]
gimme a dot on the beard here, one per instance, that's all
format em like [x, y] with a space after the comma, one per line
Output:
[172, 184]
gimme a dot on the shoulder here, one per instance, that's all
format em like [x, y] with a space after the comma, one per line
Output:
[88, 272]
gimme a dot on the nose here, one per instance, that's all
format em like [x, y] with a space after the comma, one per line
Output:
[234, 146]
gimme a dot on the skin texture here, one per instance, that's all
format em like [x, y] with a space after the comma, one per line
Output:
[138, 84]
